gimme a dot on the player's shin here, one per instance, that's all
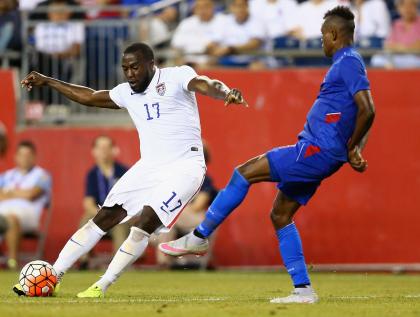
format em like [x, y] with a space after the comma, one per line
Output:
[131, 249]
[292, 253]
[225, 202]
[82, 241]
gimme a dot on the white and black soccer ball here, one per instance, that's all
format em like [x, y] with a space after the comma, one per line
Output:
[38, 278]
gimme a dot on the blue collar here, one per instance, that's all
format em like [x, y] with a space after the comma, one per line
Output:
[341, 52]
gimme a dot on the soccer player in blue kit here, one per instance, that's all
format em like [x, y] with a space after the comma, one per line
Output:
[335, 132]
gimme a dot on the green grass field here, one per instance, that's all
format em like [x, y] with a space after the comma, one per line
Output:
[201, 294]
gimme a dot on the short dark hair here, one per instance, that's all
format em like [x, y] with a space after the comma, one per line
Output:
[346, 16]
[28, 144]
[143, 49]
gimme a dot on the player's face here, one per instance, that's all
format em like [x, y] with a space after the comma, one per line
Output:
[137, 72]
[25, 158]
[327, 40]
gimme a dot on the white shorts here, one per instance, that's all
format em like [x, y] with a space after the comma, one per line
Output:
[167, 189]
[28, 215]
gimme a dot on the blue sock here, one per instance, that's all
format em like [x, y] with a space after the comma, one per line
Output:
[225, 202]
[292, 254]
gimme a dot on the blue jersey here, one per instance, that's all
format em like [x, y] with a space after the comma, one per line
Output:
[332, 118]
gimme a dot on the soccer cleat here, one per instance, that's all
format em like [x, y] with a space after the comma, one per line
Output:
[18, 290]
[185, 245]
[92, 292]
[56, 289]
[299, 295]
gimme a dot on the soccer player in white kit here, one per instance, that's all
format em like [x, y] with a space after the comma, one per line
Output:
[163, 107]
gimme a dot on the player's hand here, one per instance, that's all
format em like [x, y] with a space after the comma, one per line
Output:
[33, 79]
[235, 96]
[356, 160]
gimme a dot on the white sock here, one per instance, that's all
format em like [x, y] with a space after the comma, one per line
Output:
[194, 240]
[308, 290]
[131, 249]
[82, 241]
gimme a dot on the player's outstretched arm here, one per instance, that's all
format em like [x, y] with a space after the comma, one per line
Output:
[83, 95]
[216, 89]
[365, 117]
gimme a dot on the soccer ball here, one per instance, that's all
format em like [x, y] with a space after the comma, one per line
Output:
[38, 278]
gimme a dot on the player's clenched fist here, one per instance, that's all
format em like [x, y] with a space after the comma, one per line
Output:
[235, 96]
[356, 160]
[33, 79]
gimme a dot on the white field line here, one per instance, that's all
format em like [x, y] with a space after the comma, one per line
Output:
[185, 300]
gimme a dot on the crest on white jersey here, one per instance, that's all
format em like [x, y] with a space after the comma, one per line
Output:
[161, 89]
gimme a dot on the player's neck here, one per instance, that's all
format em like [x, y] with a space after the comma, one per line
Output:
[342, 45]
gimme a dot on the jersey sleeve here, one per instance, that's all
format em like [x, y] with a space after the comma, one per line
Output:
[184, 75]
[116, 96]
[44, 182]
[354, 75]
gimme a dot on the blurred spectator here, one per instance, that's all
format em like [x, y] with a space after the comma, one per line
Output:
[10, 36]
[58, 44]
[309, 16]
[59, 37]
[156, 30]
[24, 192]
[99, 182]
[403, 43]
[28, 4]
[47, 3]
[238, 33]
[3, 139]
[276, 15]
[98, 13]
[194, 33]
[372, 18]
[191, 216]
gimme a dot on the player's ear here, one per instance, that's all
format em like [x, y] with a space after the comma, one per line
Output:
[334, 34]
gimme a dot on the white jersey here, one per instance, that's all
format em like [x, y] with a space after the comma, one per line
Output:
[15, 179]
[166, 116]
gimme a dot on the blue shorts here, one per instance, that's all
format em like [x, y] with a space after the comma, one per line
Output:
[299, 169]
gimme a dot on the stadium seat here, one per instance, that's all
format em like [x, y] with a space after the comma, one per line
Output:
[38, 236]
[313, 44]
[286, 42]
[235, 61]
[370, 42]
[104, 45]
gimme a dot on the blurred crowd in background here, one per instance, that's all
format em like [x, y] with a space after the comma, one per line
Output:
[206, 33]
[81, 41]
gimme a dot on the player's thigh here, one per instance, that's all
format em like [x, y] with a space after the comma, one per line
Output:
[256, 169]
[284, 208]
[108, 217]
[148, 221]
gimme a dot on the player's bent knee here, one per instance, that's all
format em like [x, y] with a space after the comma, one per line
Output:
[108, 217]
[280, 220]
[149, 220]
